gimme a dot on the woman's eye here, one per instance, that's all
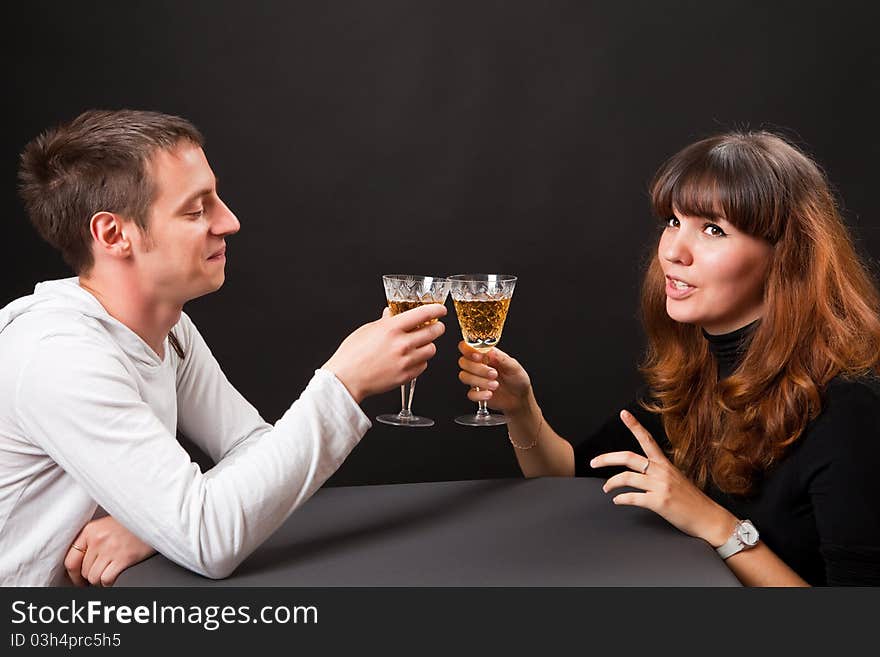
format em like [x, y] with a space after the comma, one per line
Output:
[714, 231]
[672, 222]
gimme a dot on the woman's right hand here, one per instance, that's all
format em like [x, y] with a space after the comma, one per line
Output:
[501, 380]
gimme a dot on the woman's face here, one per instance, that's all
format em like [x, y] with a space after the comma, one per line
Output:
[715, 274]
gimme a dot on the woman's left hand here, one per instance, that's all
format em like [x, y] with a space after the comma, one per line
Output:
[667, 491]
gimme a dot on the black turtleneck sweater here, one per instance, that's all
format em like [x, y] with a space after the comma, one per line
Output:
[818, 509]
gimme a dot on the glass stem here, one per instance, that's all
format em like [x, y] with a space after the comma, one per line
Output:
[406, 400]
[482, 407]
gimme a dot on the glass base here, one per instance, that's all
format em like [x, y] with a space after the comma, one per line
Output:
[397, 420]
[474, 420]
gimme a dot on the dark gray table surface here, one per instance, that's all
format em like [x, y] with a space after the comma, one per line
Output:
[499, 532]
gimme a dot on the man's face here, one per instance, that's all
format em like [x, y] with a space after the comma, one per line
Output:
[182, 255]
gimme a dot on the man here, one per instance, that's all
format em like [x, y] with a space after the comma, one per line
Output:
[98, 371]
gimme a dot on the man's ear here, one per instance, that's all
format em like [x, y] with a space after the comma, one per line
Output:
[108, 231]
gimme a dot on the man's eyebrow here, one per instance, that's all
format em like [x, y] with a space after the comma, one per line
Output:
[197, 195]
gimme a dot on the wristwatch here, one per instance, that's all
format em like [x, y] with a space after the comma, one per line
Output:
[745, 536]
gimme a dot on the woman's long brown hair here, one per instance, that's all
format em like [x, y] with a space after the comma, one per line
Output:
[821, 310]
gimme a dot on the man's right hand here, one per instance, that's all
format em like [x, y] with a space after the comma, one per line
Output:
[104, 549]
[387, 353]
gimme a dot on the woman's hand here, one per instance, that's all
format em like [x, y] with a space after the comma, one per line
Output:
[667, 491]
[501, 380]
[101, 551]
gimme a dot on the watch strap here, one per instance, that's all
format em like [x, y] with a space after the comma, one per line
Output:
[730, 547]
[735, 544]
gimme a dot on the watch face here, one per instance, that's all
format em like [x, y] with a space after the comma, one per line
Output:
[747, 533]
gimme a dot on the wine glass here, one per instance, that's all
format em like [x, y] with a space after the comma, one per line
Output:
[405, 292]
[481, 304]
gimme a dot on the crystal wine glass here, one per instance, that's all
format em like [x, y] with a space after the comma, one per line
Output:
[481, 304]
[405, 292]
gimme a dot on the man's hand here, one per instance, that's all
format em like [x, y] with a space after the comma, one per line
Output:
[101, 551]
[384, 354]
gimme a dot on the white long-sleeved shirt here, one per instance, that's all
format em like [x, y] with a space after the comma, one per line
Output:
[88, 416]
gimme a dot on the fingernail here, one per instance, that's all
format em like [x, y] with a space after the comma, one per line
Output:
[593, 463]
[493, 385]
[476, 357]
[493, 373]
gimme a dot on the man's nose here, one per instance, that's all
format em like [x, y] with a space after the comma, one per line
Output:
[226, 222]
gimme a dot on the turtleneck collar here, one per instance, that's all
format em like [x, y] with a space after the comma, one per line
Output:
[728, 348]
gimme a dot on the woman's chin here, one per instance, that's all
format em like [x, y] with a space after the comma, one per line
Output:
[679, 315]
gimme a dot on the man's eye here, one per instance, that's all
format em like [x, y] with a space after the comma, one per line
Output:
[197, 214]
[714, 230]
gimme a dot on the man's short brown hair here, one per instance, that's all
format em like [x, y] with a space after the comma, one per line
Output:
[95, 163]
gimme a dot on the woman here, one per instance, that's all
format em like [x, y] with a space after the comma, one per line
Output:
[761, 401]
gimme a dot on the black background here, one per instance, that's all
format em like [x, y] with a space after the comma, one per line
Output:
[355, 138]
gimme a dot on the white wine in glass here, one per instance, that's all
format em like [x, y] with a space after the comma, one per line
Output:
[481, 304]
[404, 292]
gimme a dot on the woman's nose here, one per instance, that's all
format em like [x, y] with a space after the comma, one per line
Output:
[675, 247]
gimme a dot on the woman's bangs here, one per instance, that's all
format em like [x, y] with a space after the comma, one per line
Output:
[698, 196]
[720, 183]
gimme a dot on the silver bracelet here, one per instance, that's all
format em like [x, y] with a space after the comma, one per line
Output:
[534, 442]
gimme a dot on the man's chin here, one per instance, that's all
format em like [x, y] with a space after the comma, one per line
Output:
[207, 288]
